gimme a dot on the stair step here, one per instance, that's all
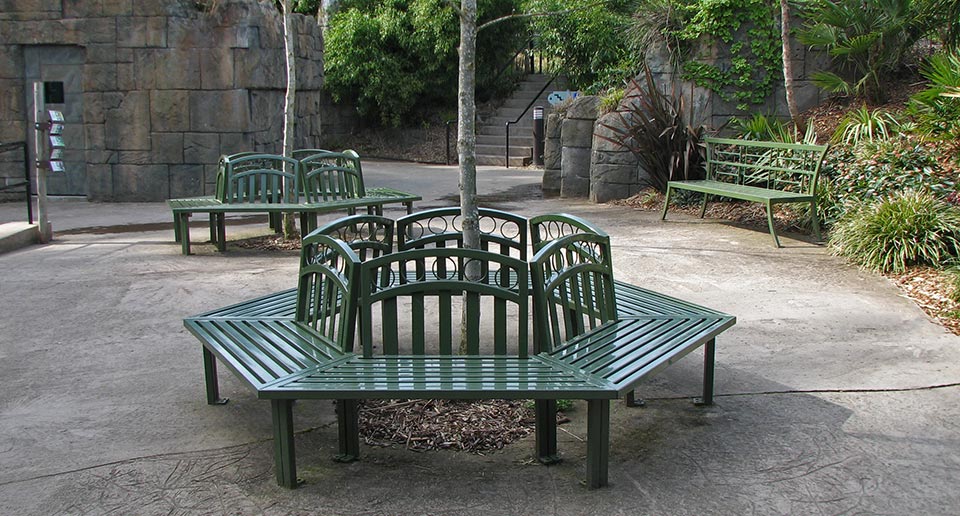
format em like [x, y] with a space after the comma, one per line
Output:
[491, 160]
[515, 150]
[494, 139]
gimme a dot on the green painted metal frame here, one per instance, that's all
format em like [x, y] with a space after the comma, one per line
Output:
[624, 334]
[777, 173]
[324, 182]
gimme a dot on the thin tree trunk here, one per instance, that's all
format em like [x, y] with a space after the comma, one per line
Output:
[788, 64]
[467, 143]
[289, 223]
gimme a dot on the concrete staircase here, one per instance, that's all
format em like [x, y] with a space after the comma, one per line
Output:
[491, 130]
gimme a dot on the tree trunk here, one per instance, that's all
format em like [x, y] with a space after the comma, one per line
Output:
[289, 222]
[467, 143]
[466, 124]
[788, 64]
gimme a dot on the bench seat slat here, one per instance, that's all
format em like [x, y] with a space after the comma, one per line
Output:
[438, 376]
[624, 352]
[262, 351]
[745, 192]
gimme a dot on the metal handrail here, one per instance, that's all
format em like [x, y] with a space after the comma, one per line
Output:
[27, 184]
[530, 105]
[528, 47]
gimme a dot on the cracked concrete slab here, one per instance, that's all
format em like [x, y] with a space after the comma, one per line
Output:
[836, 394]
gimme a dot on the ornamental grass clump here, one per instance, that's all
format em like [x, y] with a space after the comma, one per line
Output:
[907, 228]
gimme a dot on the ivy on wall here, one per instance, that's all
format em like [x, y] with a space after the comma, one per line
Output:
[746, 33]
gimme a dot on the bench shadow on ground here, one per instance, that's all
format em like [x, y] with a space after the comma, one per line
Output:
[746, 454]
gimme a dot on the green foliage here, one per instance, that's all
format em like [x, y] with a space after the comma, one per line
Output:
[397, 58]
[937, 108]
[873, 170]
[587, 39]
[768, 128]
[655, 127]
[867, 41]
[908, 228]
[861, 124]
[745, 30]
[610, 100]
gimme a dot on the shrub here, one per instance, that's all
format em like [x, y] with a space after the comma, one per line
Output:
[863, 125]
[397, 58]
[908, 228]
[588, 40]
[769, 128]
[872, 170]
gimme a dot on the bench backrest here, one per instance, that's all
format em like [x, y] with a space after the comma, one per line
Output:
[299, 154]
[572, 288]
[776, 166]
[500, 232]
[547, 228]
[332, 184]
[258, 178]
[327, 282]
[432, 303]
[370, 236]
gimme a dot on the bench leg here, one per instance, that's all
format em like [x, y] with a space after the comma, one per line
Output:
[632, 400]
[598, 442]
[709, 352]
[546, 418]
[283, 451]
[176, 227]
[222, 232]
[184, 233]
[703, 205]
[773, 231]
[815, 220]
[213, 228]
[210, 378]
[666, 203]
[409, 206]
[348, 426]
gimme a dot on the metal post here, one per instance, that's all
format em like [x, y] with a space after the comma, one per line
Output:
[538, 136]
[448, 140]
[506, 145]
[39, 150]
[29, 181]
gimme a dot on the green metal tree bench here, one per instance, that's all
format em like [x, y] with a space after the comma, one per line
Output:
[770, 173]
[317, 183]
[405, 308]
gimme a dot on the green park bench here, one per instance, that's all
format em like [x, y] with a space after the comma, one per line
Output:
[320, 182]
[766, 172]
[299, 344]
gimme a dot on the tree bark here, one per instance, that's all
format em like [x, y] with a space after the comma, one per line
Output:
[466, 126]
[788, 64]
[289, 223]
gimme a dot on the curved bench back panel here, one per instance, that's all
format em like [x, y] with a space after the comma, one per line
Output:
[572, 287]
[500, 231]
[432, 286]
[258, 178]
[370, 236]
[330, 182]
[299, 154]
[326, 288]
[546, 228]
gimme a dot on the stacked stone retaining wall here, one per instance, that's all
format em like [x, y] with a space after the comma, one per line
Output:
[156, 90]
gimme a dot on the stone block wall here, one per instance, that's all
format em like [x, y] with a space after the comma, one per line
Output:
[592, 166]
[166, 87]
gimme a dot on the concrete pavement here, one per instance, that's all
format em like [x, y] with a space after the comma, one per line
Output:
[836, 394]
